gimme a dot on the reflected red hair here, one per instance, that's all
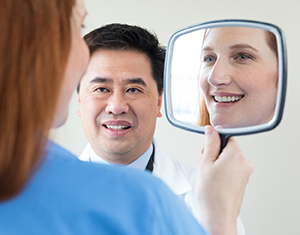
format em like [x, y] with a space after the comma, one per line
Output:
[34, 45]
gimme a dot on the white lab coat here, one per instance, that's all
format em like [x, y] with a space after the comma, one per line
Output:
[179, 176]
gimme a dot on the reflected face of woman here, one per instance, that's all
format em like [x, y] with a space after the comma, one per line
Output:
[76, 65]
[238, 76]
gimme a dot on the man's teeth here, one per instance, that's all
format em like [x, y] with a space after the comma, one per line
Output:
[116, 128]
[224, 99]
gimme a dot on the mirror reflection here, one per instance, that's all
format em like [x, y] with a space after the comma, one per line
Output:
[225, 76]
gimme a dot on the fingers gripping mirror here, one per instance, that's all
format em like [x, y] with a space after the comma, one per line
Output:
[230, 74]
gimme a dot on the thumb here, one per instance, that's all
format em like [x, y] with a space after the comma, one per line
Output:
[211, 145]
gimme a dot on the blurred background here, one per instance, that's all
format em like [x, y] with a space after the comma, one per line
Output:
[272, 200]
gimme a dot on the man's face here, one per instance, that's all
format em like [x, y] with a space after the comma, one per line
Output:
[119, 104]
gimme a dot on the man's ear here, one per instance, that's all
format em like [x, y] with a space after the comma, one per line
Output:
[160, 99]
[79, 102]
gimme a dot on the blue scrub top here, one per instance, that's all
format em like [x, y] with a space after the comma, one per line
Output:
[68, 196]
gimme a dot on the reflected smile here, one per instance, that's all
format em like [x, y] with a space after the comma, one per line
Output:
[227, 99]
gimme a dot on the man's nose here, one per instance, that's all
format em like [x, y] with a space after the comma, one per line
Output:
[117, 104]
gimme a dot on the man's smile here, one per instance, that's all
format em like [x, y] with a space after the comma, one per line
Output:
[116, 127]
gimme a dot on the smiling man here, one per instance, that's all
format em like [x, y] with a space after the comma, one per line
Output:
[120, 95]
[120, 98]
[119, 103]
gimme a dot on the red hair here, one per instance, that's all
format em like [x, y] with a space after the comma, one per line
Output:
[34, 45]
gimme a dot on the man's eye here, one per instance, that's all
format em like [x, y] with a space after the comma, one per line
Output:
[101, 89]
[133, 90]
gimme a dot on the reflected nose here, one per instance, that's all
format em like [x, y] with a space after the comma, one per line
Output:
[117, 104]
[220, 75]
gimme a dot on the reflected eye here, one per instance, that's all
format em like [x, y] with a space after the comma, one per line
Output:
[209, 59]
[243, 57]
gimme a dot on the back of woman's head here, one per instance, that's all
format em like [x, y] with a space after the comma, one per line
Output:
[34, 45]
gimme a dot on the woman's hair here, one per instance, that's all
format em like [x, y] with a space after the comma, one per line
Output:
[204, 118]
[34, 46]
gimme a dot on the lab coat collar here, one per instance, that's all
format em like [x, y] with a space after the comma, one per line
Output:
[140, 163]
[84, 156]
[171, 171]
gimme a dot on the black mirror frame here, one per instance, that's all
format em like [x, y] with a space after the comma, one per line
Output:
[282, 77]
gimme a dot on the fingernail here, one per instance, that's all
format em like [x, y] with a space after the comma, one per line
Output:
[208, 131]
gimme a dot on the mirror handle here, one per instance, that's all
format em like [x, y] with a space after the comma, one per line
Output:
[224, 140]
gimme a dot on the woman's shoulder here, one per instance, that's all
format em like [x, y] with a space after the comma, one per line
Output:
[82, 195]
[100, 188]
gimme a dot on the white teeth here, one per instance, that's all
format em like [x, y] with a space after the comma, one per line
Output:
[116, 128]
[226, 99]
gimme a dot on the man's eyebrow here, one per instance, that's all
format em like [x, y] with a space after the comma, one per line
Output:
[125, 81]
[101, 80]
[135, 81]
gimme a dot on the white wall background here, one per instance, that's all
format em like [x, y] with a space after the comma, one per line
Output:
[272, 200]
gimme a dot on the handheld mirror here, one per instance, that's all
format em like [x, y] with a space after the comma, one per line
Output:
[228, 73]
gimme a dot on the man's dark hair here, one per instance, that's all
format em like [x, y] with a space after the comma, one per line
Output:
[130, 38]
